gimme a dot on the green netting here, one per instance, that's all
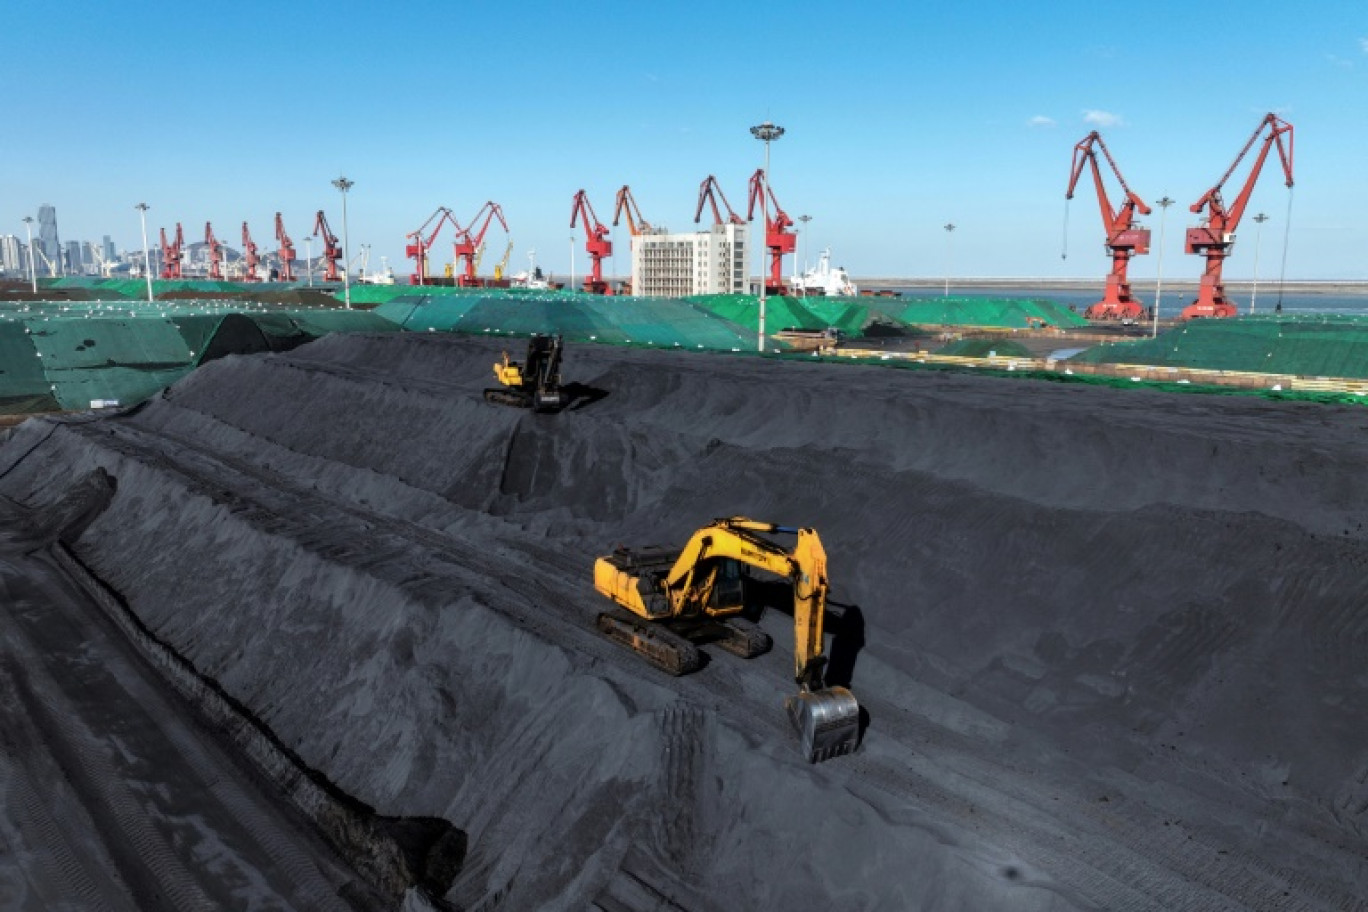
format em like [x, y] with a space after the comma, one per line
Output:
[783, 312]
[66, 345]
[24, 385]
[321, 321]
[1019, 313]
[657, 322]
[985, 348]
[1311, 346]
[68, 354]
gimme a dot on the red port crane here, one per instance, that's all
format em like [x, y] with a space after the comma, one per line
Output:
[249, 254]
[215, 252]
[417, 247]
[778, 239]
[1215, 238]
[286, 253]
[710, 191]
[332, 250]
[627, 204]
[469, 241]
[597, 243]
[172, 253]
[1124, 238]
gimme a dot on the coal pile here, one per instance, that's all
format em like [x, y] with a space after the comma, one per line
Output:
[1109, 642]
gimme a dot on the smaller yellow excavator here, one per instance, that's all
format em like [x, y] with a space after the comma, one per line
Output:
[673, 599]
[536, 382]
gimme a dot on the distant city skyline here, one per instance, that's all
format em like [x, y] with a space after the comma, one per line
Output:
[899, 118]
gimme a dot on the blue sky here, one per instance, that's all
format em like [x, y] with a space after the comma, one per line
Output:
[900, 117]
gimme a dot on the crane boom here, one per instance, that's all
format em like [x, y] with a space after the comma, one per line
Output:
[710, 191]
[172, 253]
[627, 204]
[470, 243]
[249, 256]
[418, 246]
[215, 252]
[286, 253]
[332, 250]
[1124, 238]
[1215, 239]
[778, 239]
[597, 243]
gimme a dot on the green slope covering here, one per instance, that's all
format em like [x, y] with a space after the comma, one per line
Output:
[65, 355]
[1311, 346]
[783, 312]
[651, 322]
[1007, 313]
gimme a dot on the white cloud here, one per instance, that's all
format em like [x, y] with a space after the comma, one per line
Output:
[1363, 44]
[1040, 120]
[1102, 118]
[1339, 62]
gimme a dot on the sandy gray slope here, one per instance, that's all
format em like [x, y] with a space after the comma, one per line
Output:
[1110, 643]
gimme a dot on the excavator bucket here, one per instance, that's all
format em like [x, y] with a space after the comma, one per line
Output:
[827, 721]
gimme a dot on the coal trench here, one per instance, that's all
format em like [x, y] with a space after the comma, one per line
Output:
[1108, 643]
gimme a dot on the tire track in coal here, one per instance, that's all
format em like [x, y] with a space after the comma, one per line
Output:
[1138, 858]
[52, 841]
[147, 862]
[309, 887]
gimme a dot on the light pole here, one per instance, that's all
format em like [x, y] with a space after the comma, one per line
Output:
[1258, 235]
[1159, 269]
[33, 273]
[344, 185]
[804, 219]
[766, 133]
[308, 257]
[147, 256]
[949, 232]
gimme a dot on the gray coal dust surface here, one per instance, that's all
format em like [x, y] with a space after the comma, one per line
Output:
[1110, 644]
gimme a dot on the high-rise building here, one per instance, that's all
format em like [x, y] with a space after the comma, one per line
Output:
[12, 256]
[108, 248]
[47, 235]
[704, 262]
[73, 258]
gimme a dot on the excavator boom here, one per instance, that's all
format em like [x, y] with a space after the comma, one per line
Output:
[676, 598]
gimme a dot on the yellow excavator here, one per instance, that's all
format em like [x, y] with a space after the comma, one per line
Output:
[534, 383]
[673, 599]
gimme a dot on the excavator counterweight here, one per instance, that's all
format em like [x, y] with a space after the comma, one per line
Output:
[671, 600]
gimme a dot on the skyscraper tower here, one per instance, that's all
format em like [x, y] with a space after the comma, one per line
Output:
[47, 234]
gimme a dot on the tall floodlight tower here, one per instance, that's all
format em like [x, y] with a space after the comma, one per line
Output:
[147, 257]
[343, 185]
[766, 133]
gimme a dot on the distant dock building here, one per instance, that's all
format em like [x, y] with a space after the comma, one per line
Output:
[701, 262]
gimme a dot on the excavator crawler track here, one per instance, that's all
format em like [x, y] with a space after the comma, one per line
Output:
[744, 639]
[663, 648]
[508, 397]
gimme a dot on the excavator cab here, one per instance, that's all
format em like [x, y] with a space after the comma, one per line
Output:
[536, 382]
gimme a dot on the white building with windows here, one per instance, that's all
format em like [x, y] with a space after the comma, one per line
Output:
[677, 265]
